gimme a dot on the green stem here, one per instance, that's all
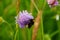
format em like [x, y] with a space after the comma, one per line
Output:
[42, 28]
[16, 32]
[24, 33]
[8, 24]
[17, 11]
[43, 6]
[28, 34]
[58, 23]
[35, 5]
[54, 33]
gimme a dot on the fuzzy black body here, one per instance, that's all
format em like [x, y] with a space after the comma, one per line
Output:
[31, 23]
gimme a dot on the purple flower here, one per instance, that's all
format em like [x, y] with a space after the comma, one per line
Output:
[24, 18]
[52, 3]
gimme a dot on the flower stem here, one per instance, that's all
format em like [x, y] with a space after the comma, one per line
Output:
[24, 33]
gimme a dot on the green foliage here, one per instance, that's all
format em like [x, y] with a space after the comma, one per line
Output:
[8, 30]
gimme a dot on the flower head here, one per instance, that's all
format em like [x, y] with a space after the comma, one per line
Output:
[52, 3]
[24, 18]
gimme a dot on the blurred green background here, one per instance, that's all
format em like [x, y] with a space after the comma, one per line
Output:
[8, 30]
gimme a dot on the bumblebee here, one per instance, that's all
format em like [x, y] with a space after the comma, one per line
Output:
[31, 23]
